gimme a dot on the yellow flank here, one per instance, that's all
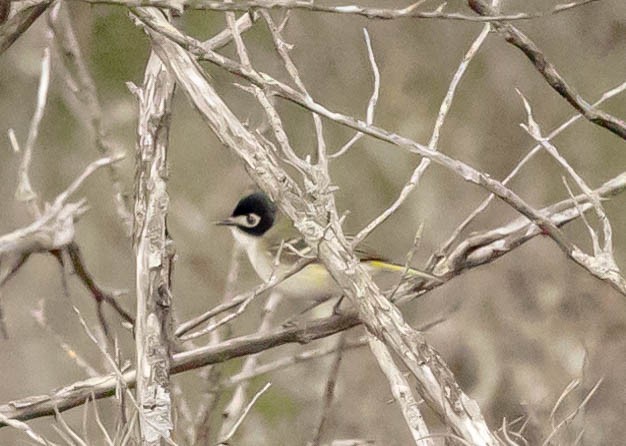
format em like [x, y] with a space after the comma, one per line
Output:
[386, 266]
[316, 273]
[379, 265]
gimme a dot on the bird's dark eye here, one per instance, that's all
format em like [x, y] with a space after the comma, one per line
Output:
[252, 220]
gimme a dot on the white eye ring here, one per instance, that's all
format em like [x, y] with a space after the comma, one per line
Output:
[251, 220]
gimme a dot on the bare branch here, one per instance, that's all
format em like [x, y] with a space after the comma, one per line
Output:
[549, 72]
[211, 375]
[75, 70]
[99, 294]
[225, 440]
[371, 105]
[409, 12]
[602, 264]
[486, 246]
[185, 327]
[234, 409]
[223, 38]
[311, 219]
[75, 394]
[573, 414]
[307, 355]
[55, 228]
[154, 254]
[24, 190]
[17, 24]
[329, 393]
[289, 361]
[283, 51]
[21, 426]
[71, 435]
[265, 101]
[434, 140]
[483, 205]
[465, 171]
[402, 393]
[71, 352]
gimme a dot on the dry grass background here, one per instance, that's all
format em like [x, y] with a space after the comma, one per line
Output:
[516, 332]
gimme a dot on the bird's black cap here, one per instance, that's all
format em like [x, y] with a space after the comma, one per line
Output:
[258, 204]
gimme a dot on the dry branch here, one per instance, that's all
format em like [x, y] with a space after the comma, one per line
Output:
[234, 409]
[318, 222]
[465, 171]
[402, 393]
[433, 144]
[372, 13]
[275, 87]
[100, 295]
[75, 394]
[484, 249]
[486, 246]
[76, 72]
[515, 37]
[154, 254]
[13, 28]
[448, 244]
[55, 228]
[331, 383]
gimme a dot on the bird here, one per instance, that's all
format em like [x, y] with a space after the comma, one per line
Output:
[255, 228]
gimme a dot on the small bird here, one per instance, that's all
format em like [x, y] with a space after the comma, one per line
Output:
[254, 226]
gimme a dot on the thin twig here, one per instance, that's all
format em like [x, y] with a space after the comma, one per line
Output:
[13, 28]
[71, 434]
[77, 72]
[567, 419]
[602, 263]
[24, 190]
[282, 49]
[265, 101]
[276, 279]
[434, 139]
[371, 105]
[21, 426]
[288, 361]
[234, 408]
[54, 229]
[348, 9]
[100, 295]
[225, 441]
[549, 72]
[211, 375]
[71, 352]
[465, 171]
[402, 393]
[483, 205]
[329, 392]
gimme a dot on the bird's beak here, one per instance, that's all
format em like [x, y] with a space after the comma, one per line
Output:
[226, 222]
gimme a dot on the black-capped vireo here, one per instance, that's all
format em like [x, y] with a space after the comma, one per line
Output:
[254, 227]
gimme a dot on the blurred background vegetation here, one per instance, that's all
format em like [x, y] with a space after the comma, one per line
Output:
[516, 332]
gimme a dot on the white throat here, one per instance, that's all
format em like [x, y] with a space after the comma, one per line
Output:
[261, 260]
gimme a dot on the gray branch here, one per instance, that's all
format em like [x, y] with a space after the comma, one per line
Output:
[435, 382]
[154, 252]
[479, 249]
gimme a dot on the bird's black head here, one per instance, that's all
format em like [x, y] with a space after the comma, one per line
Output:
[254, 214]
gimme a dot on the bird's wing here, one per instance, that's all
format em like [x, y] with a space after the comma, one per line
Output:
[295, 248]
